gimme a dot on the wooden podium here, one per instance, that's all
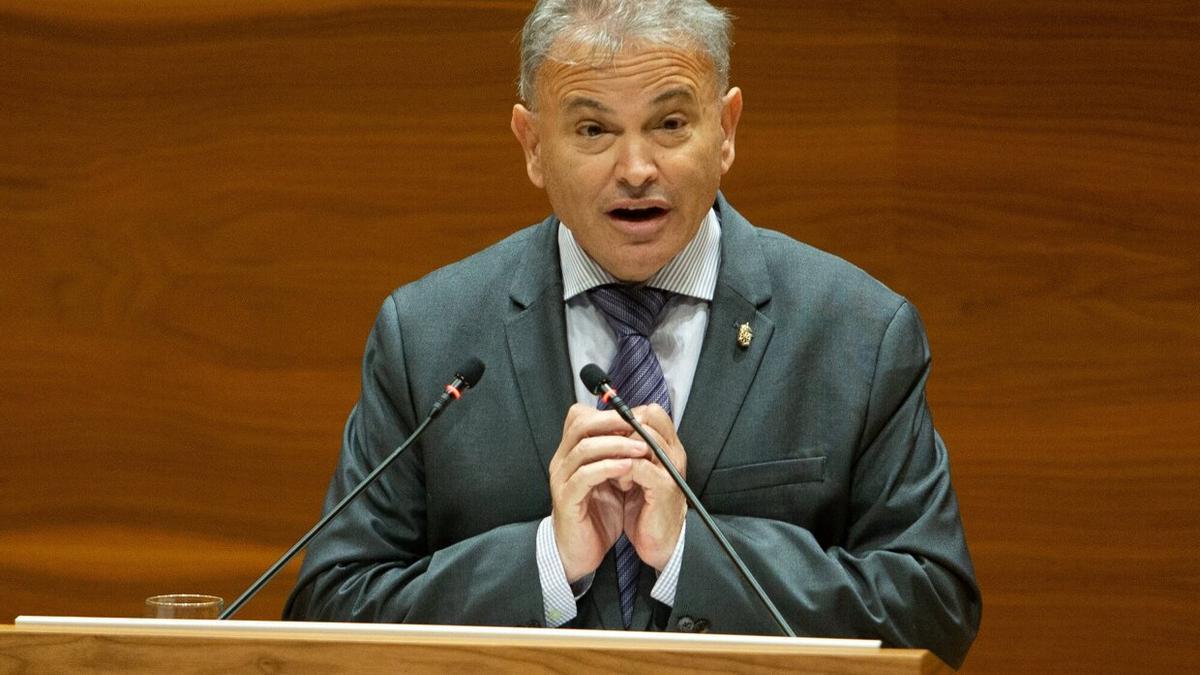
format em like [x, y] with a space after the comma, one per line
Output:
[65, 644]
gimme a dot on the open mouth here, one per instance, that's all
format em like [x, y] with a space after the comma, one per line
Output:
[638, 215]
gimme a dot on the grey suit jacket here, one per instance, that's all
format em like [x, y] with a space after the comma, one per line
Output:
[814, 449]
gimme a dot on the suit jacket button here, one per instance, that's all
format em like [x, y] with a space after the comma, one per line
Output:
[686, 624]
[701, 626]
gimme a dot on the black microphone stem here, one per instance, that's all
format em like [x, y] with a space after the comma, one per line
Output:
[694, 501]
[291, 552]
[468, 376]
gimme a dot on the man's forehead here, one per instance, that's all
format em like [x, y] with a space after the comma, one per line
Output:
[577, 76]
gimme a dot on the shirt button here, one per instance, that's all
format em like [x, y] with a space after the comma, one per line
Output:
[686, 624]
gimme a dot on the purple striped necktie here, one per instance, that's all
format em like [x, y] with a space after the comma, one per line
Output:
[632, 312]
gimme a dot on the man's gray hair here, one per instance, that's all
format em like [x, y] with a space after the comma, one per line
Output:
[606, 25]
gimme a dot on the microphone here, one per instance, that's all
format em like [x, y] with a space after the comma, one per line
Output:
[467, 376]
[597, 382]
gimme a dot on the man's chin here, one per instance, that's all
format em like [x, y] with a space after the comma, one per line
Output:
[635, 264]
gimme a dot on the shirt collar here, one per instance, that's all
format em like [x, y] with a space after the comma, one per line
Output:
[692, 272]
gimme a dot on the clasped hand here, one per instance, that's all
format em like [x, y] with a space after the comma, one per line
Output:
[605, 480]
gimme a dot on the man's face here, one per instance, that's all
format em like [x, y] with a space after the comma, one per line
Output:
[630, 151]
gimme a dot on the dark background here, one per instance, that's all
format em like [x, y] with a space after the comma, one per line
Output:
[203, 204]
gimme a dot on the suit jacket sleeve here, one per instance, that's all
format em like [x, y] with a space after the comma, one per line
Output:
[901, 572]
[376, 561]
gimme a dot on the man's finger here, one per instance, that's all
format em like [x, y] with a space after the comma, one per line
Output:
[583, 421]
[575, 490]
[593, 449]
[670, 444]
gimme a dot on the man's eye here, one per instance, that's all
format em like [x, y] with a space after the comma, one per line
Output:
[590, 130]
[674, 123]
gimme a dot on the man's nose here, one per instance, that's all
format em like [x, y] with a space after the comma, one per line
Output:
[636, 164]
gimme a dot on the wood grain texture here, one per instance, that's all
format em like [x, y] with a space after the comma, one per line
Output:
[52, 651]
[203, 203]
[202, 212]
[1049, 155]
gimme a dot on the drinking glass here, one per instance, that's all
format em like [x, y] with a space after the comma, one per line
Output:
[184, 606]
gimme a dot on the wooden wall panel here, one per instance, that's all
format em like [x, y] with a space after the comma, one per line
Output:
[202, 205]
[202, 212]
[1048, 169]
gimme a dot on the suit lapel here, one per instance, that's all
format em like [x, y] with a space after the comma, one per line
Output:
[537, 345]
[726, 370]
[537, 341]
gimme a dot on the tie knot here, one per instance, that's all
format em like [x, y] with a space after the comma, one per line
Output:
[630, 310]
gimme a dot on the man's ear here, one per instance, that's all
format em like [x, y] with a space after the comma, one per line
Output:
[524, 127]
[731, 112]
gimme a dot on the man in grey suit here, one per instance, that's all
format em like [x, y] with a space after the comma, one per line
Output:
[787, 385]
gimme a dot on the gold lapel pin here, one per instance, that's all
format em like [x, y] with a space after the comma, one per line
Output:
[744, 335]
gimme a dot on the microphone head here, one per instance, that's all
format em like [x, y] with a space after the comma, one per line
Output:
[594, 378]
[470, 372]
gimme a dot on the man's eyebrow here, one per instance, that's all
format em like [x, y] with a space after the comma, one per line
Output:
[578, 102]
[673, 93]
[584, 102]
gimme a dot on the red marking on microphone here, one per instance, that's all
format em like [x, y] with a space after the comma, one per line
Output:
[608, 395]
[453, 391]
